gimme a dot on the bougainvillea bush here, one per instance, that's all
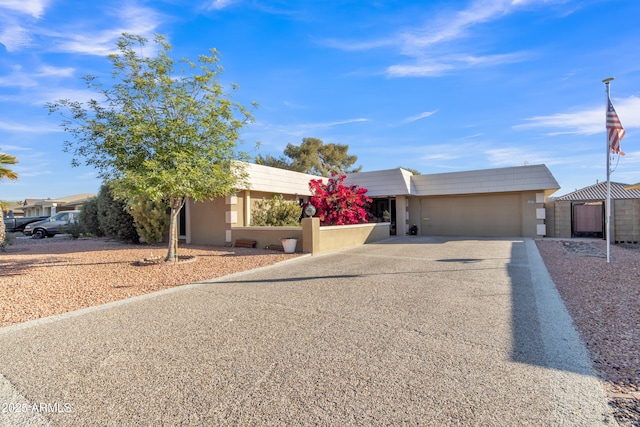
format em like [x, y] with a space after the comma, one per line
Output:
[337, 204]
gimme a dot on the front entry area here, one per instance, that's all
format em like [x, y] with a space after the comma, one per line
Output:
[490, 215]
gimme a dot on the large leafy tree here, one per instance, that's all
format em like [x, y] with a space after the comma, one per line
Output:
[315, 157]
[160, 131]
[5, 173]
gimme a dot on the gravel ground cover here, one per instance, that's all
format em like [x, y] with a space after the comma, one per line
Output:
[604, 301]
[40, 278]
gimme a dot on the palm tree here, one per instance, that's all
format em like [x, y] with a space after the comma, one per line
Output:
[5, 159]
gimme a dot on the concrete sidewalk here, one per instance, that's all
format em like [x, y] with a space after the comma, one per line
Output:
[411, 331]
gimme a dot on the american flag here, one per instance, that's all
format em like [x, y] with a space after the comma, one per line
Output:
[614, 129]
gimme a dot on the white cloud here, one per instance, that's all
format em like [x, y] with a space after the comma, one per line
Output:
[15, 37]
[429, 45]
[342, 122]
[9, 148]
[419, 70]
[18, 80]
[589, 121]
[22, 79]
[90, 36]
[221, 4]
[34, 8]
[49, 71]
[517, 156]
[130, 19]
[28, 127]
[436, 67]
[419, 116]
[274, 135]
[453, 26]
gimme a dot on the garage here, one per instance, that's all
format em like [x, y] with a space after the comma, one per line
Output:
[487, 215]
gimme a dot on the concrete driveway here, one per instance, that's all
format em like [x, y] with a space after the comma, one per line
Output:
[411, 331]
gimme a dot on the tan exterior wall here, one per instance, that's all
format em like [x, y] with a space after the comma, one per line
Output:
[625, 221]
[402, 212]
[239, 208]
[560, 227]
[345, 236]
[414, 213]
[485, 215]
[207, 222]
[527, 209]
[551, 219]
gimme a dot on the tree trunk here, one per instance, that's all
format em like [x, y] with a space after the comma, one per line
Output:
[2, 230]
[176, 204]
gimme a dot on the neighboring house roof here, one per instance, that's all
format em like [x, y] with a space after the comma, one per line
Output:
[390, 182]
[73, 200]
[518, 178]
[599, 192]
[633, 186]
[79, 201]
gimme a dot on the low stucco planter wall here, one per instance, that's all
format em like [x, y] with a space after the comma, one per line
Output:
[312, 238]
[335, 237]
[265, 236]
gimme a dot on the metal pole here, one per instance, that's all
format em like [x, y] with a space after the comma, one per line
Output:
[608, 203]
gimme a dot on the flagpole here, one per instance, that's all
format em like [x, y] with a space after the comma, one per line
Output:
[608, 203]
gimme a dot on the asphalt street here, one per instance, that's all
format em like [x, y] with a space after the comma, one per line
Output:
[410, 331]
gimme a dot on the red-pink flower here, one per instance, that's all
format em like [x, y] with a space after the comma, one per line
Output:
[337, 204]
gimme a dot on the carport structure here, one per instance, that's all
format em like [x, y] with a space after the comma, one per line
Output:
[581, 213]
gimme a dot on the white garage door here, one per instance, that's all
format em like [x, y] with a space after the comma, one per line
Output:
[483, 216]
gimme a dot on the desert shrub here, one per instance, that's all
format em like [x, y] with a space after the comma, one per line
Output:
[75, 229]
[150, 219]
[276, 212]
[113, 217]
[7, 240]
[89, 218]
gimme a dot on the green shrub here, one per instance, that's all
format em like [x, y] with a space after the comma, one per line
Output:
[8, 240]
[113, 218]
[75, 229]
[150, 219]
[89, 218]
[276, 212]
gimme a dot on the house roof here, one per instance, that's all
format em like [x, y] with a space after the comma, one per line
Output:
[599, 192]
[398, 182]
[390, 182]
[518, 178]
[274, 180]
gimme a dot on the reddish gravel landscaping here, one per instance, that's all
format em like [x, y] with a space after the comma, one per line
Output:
[604, 302]
[40, 278]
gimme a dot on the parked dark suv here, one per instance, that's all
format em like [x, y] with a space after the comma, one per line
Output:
[58, 223]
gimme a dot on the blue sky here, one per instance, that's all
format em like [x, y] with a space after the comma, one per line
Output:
[436, 86]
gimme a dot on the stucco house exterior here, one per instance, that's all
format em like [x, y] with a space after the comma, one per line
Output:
[500, 202]
[581, 213]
